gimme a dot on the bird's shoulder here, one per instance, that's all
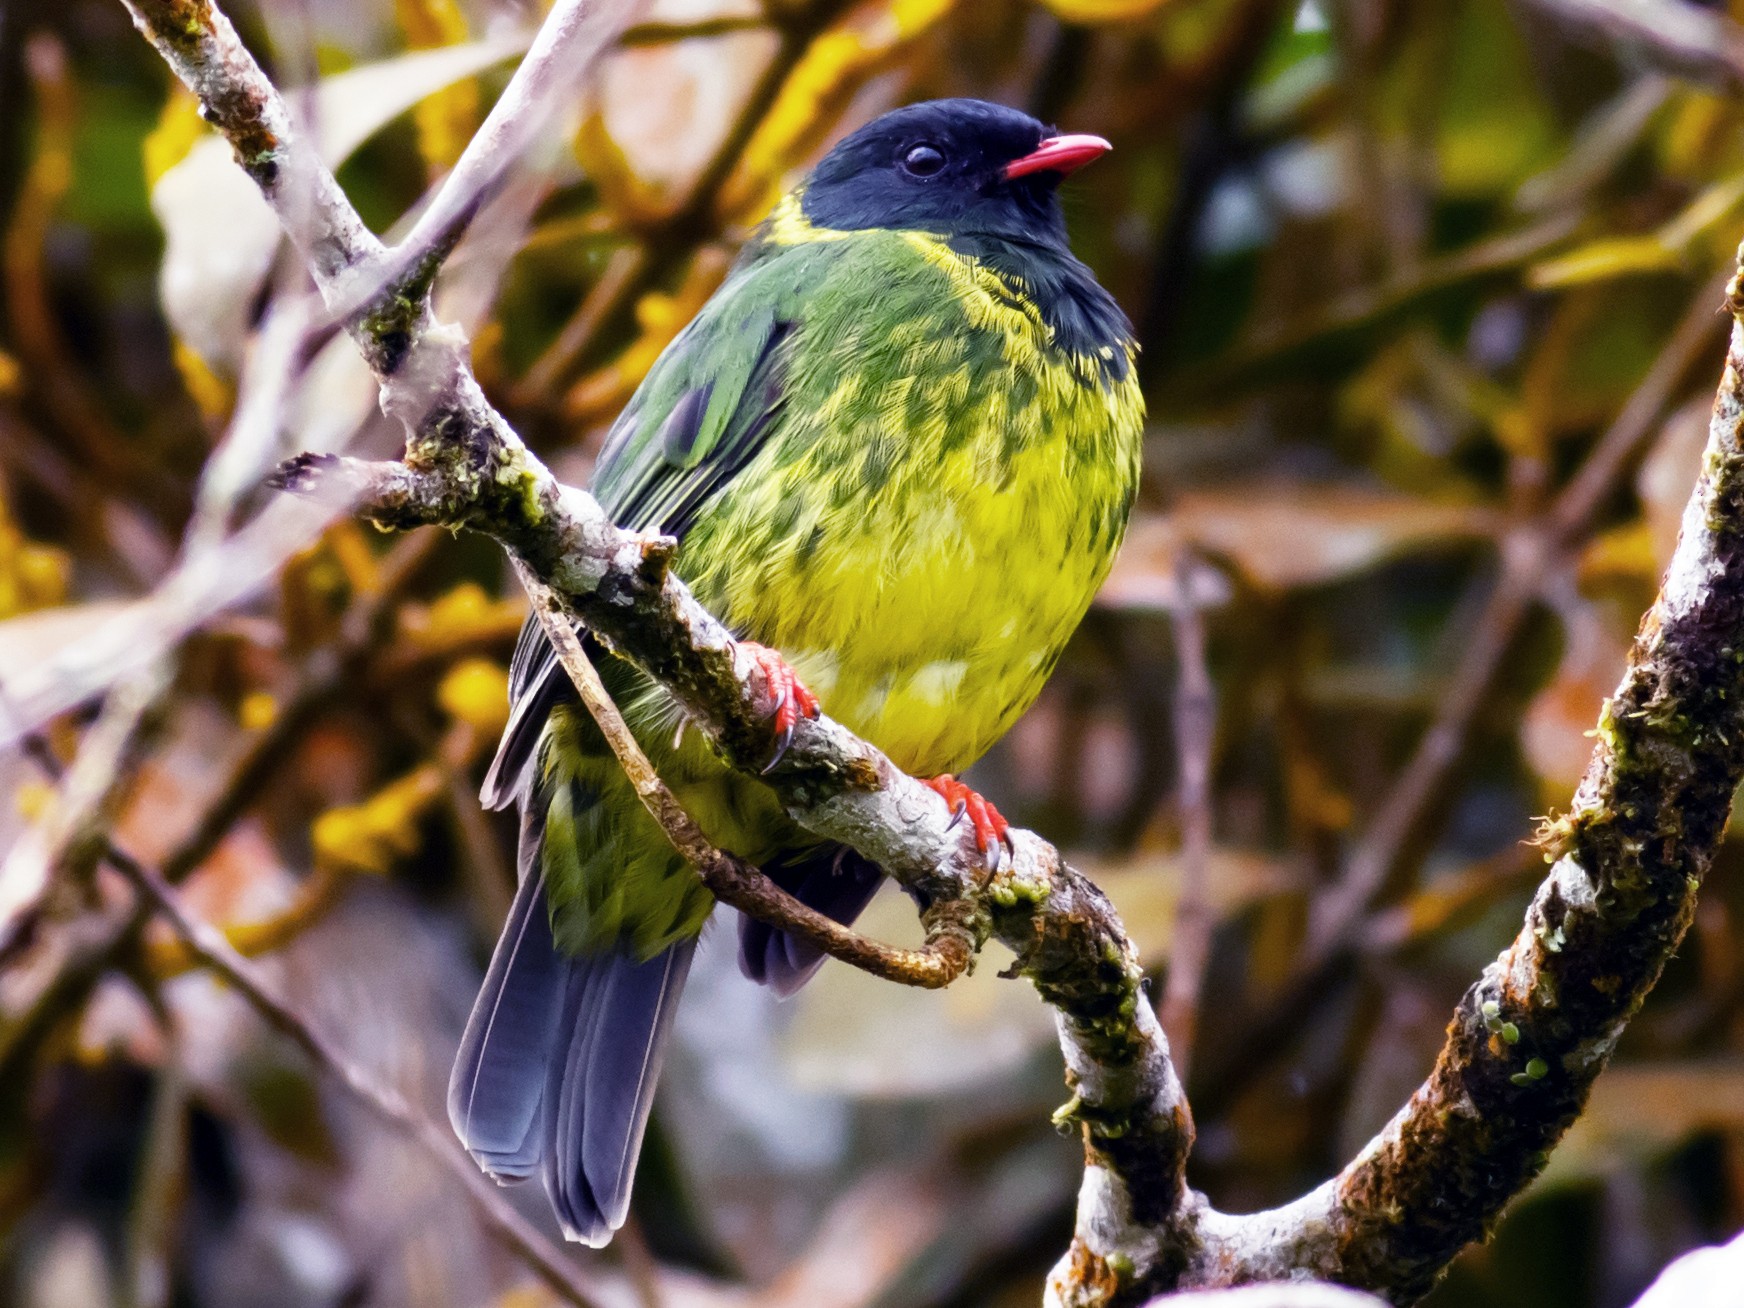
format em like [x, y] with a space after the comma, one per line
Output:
[1036, 295]
[787, 313]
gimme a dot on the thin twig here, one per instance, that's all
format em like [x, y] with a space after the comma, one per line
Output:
[1195, 727]
[953, 934]
[70, 840]
[665, 33]
[214, 953]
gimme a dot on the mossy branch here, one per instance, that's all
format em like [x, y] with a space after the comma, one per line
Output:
[1525, 1043]
[464, 466]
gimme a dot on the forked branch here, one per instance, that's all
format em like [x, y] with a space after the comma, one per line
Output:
[1525, 1043]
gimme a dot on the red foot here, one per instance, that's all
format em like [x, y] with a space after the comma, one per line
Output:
[792, 700]
[992, 832]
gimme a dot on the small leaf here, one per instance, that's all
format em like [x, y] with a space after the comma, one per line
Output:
[1103, 11]
[1610, 256]
[372, 836]
[476, 692]
[835, 65]
[1666, 250]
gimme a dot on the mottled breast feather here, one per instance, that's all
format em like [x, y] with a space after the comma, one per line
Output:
[943, 492]
[896, 460]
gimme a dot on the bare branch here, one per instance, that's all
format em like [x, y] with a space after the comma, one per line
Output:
[214, 953]
[1195, 726]
[71, 839]
[572, 36]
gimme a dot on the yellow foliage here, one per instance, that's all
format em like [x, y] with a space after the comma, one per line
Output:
[447, 119]
[178, 127]
[212, 394]
[1663, 251]
[837, 63]
[352, 552]
[317, 582]
[1625, 553]
[621, 191]
[1103, 11]
[463, 616]
[33, 799]
[372, 836]
[487, 353]
[1699, 125]
[258, 711]
[476, 692]
[1611, 256]
[166, 958]
[32, 576]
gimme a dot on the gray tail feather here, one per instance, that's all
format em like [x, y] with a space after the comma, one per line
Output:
[496, 1092]
[835, 881]
[602, 1094]
[557, 1068]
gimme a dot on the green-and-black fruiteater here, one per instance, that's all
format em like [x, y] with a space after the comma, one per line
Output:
[899, 446]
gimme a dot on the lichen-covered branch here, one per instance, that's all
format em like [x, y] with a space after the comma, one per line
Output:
[1525, 1043]
[955, 929]
[464, 466]
[1528, 1040]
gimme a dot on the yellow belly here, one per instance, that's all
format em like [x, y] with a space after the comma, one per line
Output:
[930, 623]
[919, 532]
[921, 542]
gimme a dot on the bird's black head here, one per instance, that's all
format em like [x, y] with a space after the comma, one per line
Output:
[952, 167]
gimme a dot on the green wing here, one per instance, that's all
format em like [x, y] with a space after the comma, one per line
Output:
[699, 417]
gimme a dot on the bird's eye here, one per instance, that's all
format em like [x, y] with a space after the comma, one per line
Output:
[923, 160]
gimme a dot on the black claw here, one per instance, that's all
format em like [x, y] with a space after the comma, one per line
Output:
[781, 747]
[957, 810]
